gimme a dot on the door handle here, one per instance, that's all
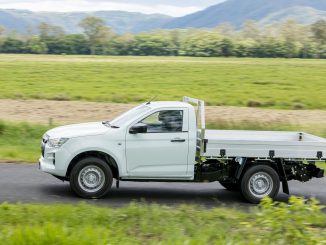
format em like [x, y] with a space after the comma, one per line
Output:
[178, 140]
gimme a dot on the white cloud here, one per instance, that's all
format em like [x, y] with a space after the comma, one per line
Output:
[88, 5]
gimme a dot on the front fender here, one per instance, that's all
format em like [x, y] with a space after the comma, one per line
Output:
[113, 148]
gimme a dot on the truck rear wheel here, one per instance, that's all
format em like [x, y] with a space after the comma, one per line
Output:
[91, 177]
[258, 182]
[230, 186]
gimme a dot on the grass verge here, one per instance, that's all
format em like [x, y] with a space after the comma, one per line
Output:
[272, 83]
[20, 142]
[300, 222]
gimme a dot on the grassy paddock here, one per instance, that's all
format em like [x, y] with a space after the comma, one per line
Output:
[273, 83]
[300, 222]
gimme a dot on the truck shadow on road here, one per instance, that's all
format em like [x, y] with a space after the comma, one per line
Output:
[170, 194]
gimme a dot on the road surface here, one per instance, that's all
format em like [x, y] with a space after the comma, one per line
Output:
[26, 184]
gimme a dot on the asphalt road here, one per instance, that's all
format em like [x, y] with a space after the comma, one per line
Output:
[26, 184]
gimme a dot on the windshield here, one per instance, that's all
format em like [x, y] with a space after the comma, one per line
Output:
[129, 115]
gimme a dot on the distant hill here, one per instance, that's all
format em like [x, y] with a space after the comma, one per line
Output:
[238, 11]
[235, 12]
[302, 15]
[23, 21]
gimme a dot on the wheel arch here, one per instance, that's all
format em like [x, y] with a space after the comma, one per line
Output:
[95, 153]
[250, 162]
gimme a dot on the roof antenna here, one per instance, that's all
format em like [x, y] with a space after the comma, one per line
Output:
[153, 98]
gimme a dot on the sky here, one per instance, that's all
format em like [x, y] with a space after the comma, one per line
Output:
[169, 7]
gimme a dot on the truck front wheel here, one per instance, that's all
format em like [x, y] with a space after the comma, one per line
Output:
[91, 177]
[258, 182]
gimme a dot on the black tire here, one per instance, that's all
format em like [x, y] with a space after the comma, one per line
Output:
[95, 167]
[230, 186]
[266, 179]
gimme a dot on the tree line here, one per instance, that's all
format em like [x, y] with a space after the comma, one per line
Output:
[288, 39]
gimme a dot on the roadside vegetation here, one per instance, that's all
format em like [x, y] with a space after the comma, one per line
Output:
[268, 83]
[299, 222]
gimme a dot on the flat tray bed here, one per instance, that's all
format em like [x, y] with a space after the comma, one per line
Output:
[261, 144]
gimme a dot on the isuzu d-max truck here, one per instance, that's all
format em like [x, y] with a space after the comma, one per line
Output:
[167, 141]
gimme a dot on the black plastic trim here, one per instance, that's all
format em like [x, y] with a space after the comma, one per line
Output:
[271, 154]
[205, 145]
[222, 152]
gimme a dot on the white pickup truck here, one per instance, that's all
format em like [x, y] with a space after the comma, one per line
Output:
[167, 141]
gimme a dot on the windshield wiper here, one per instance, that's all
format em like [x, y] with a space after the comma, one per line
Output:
[108, 124]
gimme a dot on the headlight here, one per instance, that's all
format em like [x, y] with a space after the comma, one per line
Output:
[57, 142]
[45, 138]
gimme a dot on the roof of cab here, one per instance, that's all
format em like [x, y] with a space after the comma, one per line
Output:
[158, 104]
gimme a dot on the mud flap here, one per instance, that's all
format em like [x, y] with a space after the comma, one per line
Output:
[282, 174]
[320, 173]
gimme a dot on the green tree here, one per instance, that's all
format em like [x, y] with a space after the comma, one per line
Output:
[202, 43]
[36, 46]
[244, 48]
[96, 31]
[250, 30]
[12, 45]
[293, 36]
[121, 44]
[76, 44]
[319, 31]
[176, 40]
[153, 44]
[225, 29]
[227, 47]
[270, 47]
[46, 30]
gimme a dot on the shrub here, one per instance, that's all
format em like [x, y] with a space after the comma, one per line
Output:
[254, 103]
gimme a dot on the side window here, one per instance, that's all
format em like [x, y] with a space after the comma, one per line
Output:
[164, 121]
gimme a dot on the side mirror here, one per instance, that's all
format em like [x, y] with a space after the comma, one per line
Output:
[138, 128]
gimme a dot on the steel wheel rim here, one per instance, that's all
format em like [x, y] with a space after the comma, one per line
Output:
[260, 184]
[91, 178]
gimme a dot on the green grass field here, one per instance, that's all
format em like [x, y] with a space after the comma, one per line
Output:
[296, 223]
[274, 83]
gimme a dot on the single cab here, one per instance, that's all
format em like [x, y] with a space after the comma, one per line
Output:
[168, 141]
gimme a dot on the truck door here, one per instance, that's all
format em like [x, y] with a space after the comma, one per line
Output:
[162, 149]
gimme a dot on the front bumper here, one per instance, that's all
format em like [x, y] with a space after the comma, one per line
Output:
[54, 161]
[46, 166]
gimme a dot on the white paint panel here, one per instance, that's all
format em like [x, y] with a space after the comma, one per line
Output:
[154, 155]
